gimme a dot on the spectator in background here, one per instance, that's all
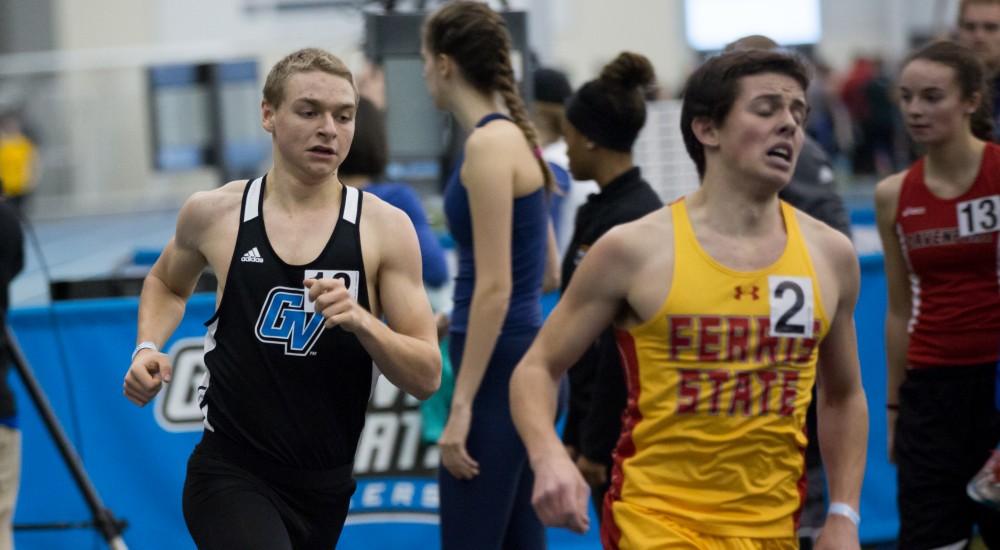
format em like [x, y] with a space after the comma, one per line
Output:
[18, 162]
[942, 328]
[497, 210]
[979, 30]
[829, 123]
[364, 169]
[821, 123]
[603, 120]
[866, 95]
[880, 125]
[853, 94]
[11, 263]
[811, 190]
[552, 89]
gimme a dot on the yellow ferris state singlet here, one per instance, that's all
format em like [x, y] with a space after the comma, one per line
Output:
[719, 381]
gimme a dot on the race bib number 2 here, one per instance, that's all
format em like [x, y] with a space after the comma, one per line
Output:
[791, 300]
[977, 216]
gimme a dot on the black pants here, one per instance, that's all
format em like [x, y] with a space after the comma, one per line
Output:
[948, 424]
[234, 501]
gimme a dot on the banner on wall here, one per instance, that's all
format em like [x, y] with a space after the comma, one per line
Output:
[136, 457]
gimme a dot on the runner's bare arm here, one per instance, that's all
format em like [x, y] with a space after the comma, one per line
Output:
[842, 409]
[898, 308]
[405, 350]
[594, 298]
[590, 303]
[165, 291]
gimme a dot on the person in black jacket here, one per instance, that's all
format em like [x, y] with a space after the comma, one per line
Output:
[604, 119]
[11, 263]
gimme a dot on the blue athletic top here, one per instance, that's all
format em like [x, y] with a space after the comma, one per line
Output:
[403, 197]
[528, 240]
[563, 182]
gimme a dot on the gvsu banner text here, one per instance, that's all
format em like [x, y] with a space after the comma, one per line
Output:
[137, 457]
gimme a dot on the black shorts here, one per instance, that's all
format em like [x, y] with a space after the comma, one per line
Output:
[948, 423]
[233, 500]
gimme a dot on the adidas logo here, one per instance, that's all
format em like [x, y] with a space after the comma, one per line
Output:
[252, 255]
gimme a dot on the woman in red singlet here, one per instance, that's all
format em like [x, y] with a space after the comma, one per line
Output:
[939, 224]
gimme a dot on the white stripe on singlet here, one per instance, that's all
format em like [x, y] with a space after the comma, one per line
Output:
[205, 380]
[375, 374]
[351, 205]
[252, 209]
[914, 281]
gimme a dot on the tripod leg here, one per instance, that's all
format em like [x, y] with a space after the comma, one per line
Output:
[110, 527]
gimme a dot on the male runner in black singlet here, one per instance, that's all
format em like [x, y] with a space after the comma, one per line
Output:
[306, 267]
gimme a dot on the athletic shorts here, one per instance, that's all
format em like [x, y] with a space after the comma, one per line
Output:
[947, 425]
[634, 529]
[232, 500]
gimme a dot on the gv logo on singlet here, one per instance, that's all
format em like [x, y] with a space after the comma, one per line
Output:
[284, 320]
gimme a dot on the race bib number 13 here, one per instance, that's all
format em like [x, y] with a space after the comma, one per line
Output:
[978, 216]
[791, 301]
[350, 279]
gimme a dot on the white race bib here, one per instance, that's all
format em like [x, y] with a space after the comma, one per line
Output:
[791, 300]
[978, 216]
[350, 279]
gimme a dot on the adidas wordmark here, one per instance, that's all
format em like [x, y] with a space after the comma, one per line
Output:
[252, 255]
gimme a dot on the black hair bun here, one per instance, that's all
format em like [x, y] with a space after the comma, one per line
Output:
[629, 70]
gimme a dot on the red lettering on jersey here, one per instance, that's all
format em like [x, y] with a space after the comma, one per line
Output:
[741, 394]
[708, 338]
[738, 338]
[767, 344]
[789, 391]
[679, 340]
[805, 346]
[687, 391]
[741, 401]
[767, 378]
[718, 378]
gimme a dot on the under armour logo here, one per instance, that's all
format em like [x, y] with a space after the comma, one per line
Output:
[753, 292]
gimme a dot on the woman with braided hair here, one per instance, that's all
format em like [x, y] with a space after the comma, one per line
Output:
[496, 207]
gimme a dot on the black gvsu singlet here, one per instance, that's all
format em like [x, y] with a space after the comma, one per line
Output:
[279, 384]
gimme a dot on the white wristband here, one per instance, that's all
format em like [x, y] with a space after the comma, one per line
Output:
[144, 345]
[844, 509]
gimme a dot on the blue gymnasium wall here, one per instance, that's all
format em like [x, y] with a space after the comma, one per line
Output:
[138, 466]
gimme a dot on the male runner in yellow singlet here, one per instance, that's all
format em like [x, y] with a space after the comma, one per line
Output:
[725, 303]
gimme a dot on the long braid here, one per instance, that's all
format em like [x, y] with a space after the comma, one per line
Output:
[508, 91]
[477, 38]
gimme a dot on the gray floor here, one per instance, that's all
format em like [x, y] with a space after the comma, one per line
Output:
[85, 247]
